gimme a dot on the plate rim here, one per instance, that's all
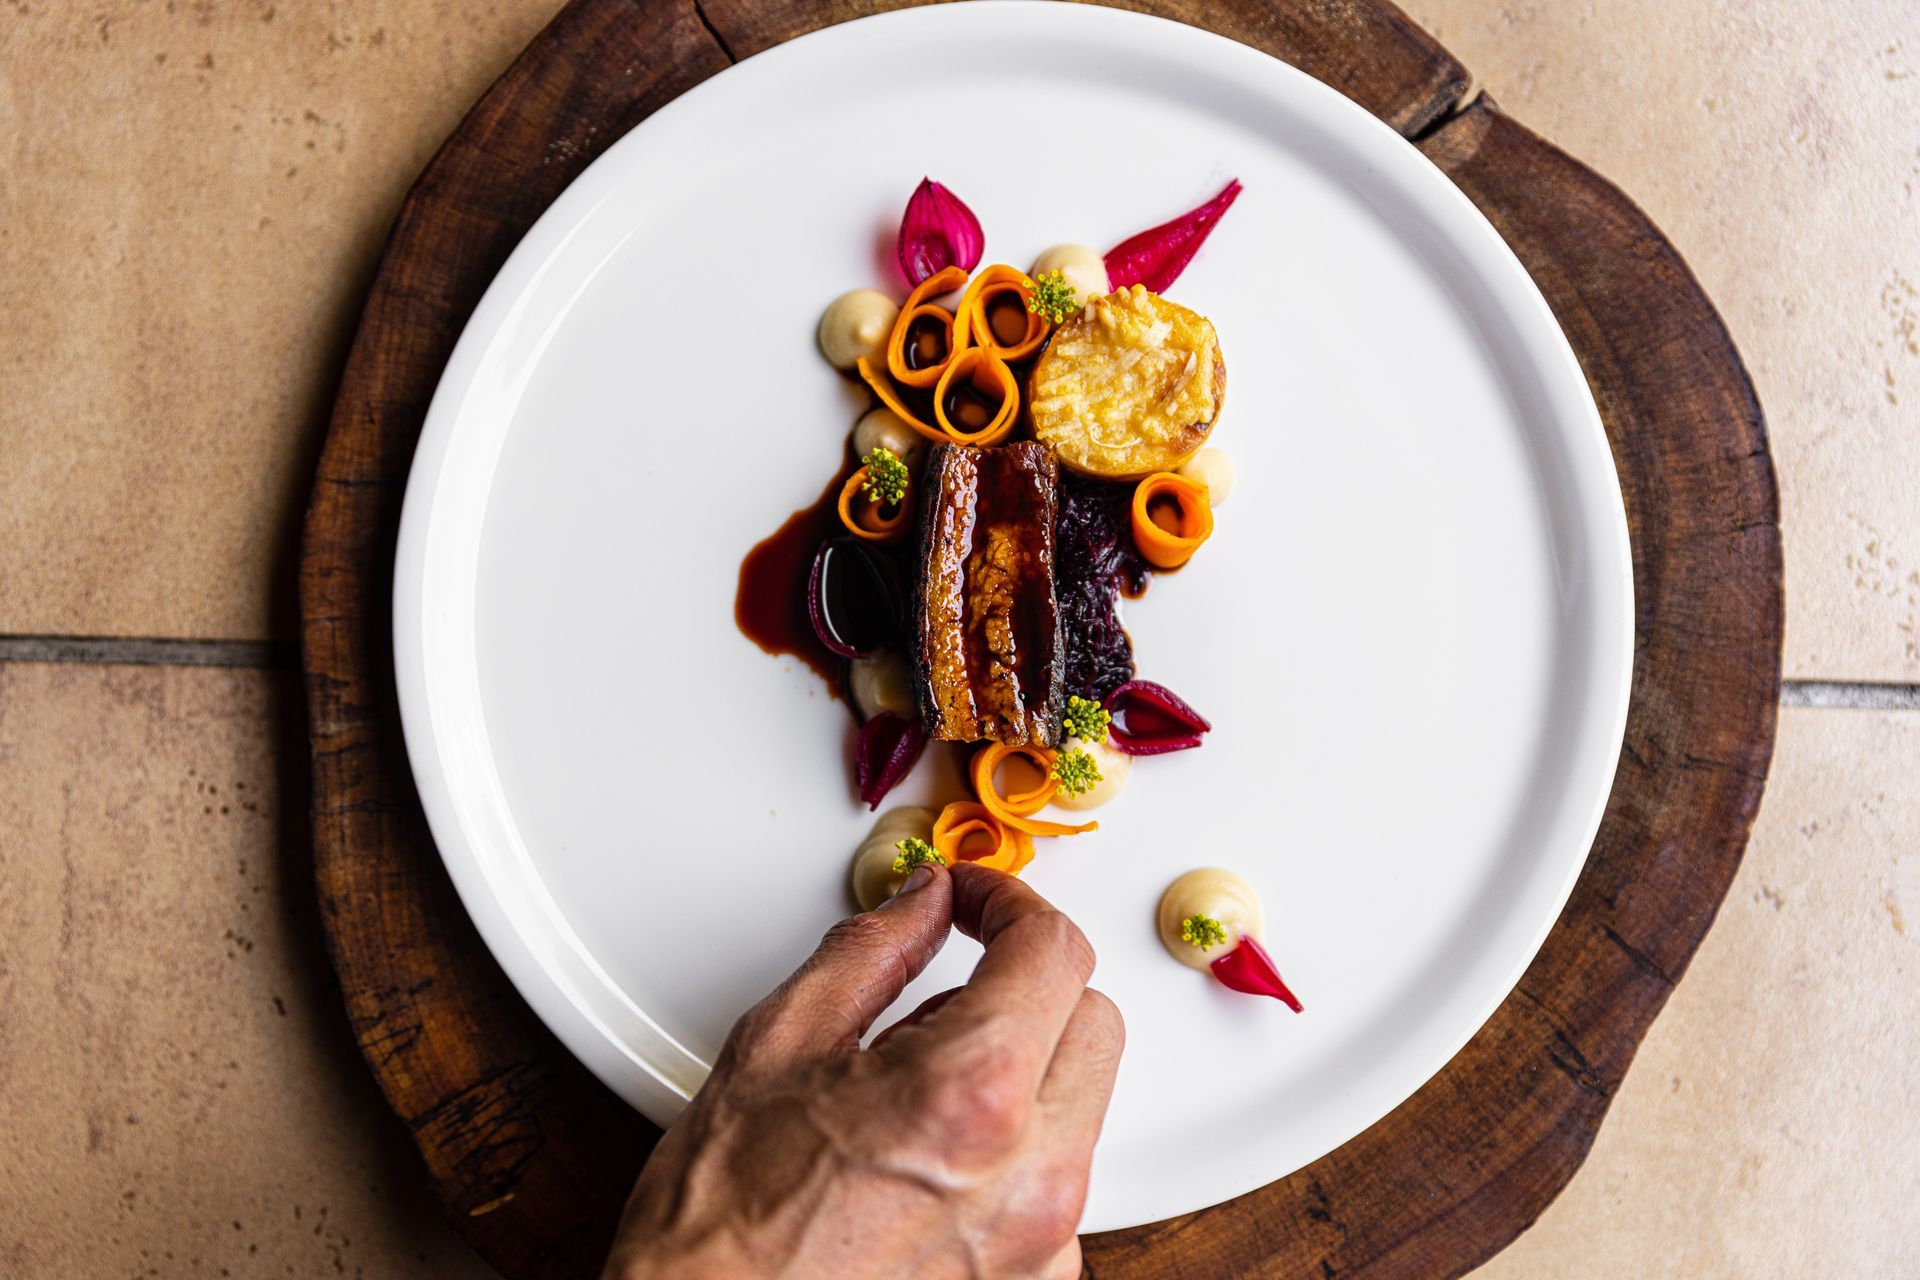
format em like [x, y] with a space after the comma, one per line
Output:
[655, 1092]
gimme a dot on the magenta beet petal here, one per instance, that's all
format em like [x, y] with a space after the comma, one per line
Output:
[1150, 719]
[884, 752]
[1249, 968]
[938, 231]
[1156, 257]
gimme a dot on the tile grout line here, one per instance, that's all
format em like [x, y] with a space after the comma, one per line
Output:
[1889, 695]
[1866, 695]
[138, 651]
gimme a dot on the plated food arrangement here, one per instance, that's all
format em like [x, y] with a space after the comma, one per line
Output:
[1038, 448]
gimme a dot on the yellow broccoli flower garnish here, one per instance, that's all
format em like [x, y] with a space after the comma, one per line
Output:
[913, 852]
[1076, 771]
[1086, 719]
[1202, 932]
[887, 476]
[1052, 296]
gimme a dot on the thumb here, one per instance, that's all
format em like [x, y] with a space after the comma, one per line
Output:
[860, 968]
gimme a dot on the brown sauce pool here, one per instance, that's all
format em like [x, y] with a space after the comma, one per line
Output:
[770, 602]
[925, 343]
[967, 408]
[1007, 318]
[1166, 513]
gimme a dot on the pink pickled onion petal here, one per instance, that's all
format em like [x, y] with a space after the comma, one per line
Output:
[1249, 968]
[1156, 257]
[1150, 719]
[884, 752]
[936, 232]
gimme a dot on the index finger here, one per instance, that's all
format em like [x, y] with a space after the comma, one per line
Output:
[1030, 976]
[860, 968]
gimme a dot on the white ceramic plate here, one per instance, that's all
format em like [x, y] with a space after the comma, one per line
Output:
[1411, 630]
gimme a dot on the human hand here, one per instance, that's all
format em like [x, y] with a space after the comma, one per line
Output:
[956, 1145]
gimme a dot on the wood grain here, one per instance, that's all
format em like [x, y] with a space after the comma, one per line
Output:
[532, 1156]
[1367, 49]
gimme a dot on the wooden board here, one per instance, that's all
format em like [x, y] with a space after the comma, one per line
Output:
[532, 1157]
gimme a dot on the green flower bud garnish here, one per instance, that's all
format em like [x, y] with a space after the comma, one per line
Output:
[887, 476]
[1053, 297]
[1085, 719]
[913, 852]
[1076, 772]
[1202, 932]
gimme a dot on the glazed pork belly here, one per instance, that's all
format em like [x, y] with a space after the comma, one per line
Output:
[988, 661]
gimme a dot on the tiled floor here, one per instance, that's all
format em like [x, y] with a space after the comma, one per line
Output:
[191, 198]
[191, 201]
[1778, 143]
[1770, 1126]
[183, 1098]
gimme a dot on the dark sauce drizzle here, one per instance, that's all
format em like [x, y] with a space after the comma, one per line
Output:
[770, 602]
[1007, 318]
[968, 409]
[926, 343]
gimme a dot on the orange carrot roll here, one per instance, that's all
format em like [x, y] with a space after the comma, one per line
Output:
[971, 325]
[922, 325]
[1036, 787]
[889, 395]
[1016, 811]
[1171, 518]
[868, 520]
[966, 832]
[977, 399]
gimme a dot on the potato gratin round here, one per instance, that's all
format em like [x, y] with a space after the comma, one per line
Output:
[1129, 386]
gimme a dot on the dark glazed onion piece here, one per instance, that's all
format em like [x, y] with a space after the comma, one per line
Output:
[1150, 719]
[884, 752]
[853, 598]
[1249, 968]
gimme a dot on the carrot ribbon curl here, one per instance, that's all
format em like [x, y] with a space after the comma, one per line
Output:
[967, 832]
[1171, 518]
[872, 521]
[1017, 810]
[971, 326]
[916, 307]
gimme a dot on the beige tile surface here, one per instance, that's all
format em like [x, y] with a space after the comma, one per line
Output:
[191, 199]
[1778, 143]
[1770, 1126]
[181, 1095]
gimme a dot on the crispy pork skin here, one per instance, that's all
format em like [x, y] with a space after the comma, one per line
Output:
[988, 661]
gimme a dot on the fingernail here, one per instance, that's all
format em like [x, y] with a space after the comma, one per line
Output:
[916, 881]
